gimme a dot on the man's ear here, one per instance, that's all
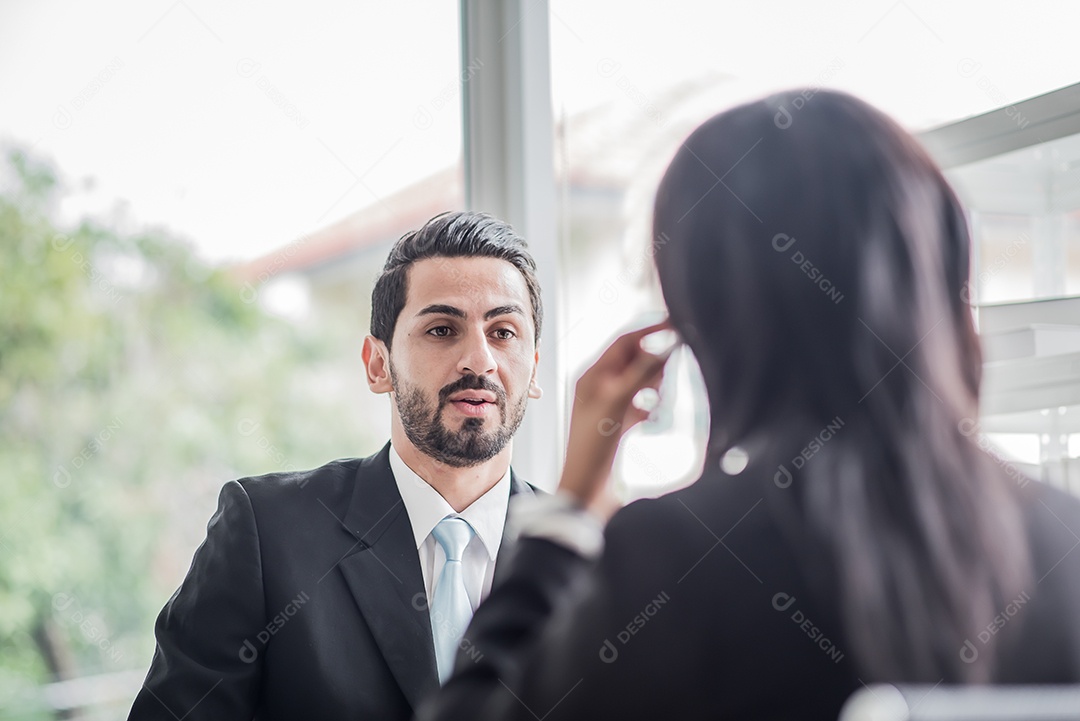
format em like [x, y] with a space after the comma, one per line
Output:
[535, 391]
[377, 364]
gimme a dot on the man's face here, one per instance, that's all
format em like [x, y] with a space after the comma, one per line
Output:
[463, 358]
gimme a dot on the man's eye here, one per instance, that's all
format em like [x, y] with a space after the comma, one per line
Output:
[441, 331]
[504, 334]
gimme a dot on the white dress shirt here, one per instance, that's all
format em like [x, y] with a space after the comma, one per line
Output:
[486, 515]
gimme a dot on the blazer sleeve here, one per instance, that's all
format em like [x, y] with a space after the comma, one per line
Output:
[207, 664]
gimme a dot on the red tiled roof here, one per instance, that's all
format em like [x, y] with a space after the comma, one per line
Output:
[382, 222]
[601, 148]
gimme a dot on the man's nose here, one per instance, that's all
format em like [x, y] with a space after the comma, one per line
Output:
[476, 356]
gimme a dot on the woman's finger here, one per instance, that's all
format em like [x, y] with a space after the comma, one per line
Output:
[626, 347]
[647, 368]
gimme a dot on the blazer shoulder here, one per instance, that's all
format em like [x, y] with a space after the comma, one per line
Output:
[1045, 502]
[665, 516]
[1053, 519]
[688, 522]
[337, 471]
[326, 481]
[644, 534]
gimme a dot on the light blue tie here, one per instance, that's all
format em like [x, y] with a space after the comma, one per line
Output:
[450, 606]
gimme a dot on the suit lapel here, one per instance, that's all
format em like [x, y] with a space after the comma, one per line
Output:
[383, 573]
[517, 485]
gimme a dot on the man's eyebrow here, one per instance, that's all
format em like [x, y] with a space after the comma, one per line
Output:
[442, 309]
[503, 310]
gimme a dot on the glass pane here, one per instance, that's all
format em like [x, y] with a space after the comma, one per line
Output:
[1024, 207]
[1003, 262]
[243, 170]
[629, 86]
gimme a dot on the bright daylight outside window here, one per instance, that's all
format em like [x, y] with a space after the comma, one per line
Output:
[629, 86]
[1024, 207]
[195, 198]
[189, 297]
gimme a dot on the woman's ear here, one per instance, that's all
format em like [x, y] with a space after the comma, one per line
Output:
[377, 365]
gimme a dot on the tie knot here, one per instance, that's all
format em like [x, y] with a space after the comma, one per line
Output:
[453, 534]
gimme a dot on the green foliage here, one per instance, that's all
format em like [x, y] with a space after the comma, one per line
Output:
[134, 380]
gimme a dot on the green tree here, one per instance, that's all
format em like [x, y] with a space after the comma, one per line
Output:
[134, 380]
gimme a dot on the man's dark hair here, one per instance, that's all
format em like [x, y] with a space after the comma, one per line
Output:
[449, 235]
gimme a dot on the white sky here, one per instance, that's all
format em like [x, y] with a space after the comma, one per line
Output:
[243, 125]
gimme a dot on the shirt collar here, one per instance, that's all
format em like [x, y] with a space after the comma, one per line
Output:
[426, 507]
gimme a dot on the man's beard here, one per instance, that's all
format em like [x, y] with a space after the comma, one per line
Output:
[468, 446]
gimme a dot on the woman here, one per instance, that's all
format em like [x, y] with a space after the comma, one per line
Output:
[817, 271]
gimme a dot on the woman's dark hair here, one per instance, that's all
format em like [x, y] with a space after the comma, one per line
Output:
[816, 262]
[449, 235]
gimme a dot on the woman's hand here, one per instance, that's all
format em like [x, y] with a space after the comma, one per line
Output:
[603, 411]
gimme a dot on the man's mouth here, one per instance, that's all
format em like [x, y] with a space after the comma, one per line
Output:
[475, 404]
[475, 397]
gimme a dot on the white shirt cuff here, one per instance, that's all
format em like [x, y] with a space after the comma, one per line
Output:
[557, 518]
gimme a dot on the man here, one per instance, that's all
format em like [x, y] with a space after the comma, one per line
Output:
[332, 593]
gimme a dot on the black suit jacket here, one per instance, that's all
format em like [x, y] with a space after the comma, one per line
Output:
[702, 606]
[305, 601]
